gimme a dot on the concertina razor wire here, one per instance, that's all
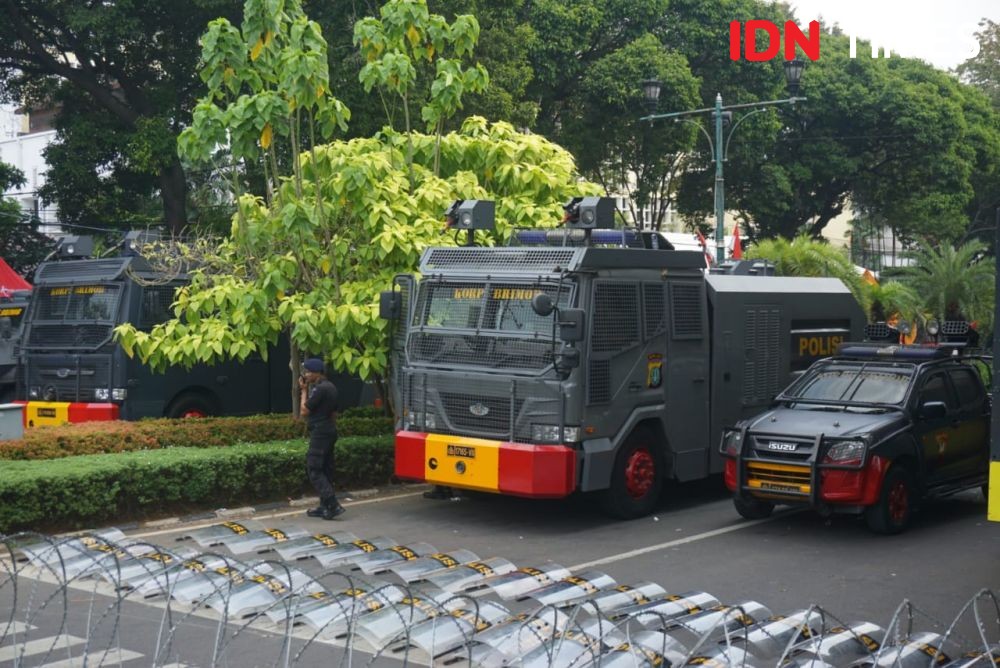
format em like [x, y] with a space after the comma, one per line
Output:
[239, 593]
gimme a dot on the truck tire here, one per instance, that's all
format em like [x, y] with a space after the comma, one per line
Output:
[893, 511]
[637, 478]
[191, 405]
[752, 508]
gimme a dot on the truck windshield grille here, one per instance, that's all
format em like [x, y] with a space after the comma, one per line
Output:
[484, 324]
[77, 303]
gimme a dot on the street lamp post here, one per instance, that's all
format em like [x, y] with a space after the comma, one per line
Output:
[721, 114]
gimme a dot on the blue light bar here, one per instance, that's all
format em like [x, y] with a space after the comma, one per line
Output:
[891, 352]
[576, 237]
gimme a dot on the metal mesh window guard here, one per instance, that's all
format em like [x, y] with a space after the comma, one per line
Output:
[616, 316]
[484, 324]
[156, 301]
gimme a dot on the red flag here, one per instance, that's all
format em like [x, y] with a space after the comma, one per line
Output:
[704, 247]
[737, 246]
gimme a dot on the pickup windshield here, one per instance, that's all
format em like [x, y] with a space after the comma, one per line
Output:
[854, 384]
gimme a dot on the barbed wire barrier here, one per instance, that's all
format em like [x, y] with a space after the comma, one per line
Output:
[239, 594]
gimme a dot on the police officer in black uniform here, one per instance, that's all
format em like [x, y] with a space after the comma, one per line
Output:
[319, 407]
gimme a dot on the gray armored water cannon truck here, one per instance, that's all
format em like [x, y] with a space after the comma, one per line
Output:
[589, 358]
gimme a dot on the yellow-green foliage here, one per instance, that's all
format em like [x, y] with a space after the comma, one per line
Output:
[314, 261]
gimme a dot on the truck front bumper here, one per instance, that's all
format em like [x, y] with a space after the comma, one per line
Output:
[816, 486]
[517, 469]
[39, 413]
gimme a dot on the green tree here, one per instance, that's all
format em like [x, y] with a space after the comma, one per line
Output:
[889, 298]
[309, 260]
[408, 38]
[954, 283]
[804, 256]
[318, 279]
[623, 154]
[22, 246]
[129, 62]
[895, 138]
[983, 70]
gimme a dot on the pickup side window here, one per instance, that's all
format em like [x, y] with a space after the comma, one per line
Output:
[967, 385]
[936, 389]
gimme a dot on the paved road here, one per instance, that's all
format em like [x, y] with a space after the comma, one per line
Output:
[694, 541]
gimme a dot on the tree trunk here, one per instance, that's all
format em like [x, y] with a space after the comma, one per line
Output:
[295, 361]
[173, 190]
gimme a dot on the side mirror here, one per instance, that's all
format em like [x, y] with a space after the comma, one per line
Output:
[933, 410]
[390, 303]
[6, 327]
[542, 304]
[571, 324]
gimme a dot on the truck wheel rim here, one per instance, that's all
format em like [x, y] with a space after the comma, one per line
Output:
[639, 473]
[193, 413]
[898, 502]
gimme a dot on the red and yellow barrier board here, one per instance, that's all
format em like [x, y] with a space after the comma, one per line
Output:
[39, 413]
[518, 469]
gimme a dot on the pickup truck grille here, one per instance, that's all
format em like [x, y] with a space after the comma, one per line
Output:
[802, 451]
[772, 478]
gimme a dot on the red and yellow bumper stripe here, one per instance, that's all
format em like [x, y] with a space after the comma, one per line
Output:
[39, 413]
[518, 469]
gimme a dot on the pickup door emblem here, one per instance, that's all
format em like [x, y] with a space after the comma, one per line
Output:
[782, 447]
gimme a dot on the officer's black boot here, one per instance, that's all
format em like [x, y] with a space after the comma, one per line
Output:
[332, 508]
[317, 511]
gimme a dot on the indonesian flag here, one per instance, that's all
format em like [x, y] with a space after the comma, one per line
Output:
[737, 246]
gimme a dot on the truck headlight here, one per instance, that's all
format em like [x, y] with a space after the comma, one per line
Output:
[102, 393]
[846, 453]
[421, 420]
[34, 392]
[732, 442]
[119, 394]
[549, 433]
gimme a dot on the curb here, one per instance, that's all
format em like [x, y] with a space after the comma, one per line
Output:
[249, 511]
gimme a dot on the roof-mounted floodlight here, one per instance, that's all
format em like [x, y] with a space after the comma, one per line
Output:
[471, 215]
[70, 246]
[134, 241]
[590, 213]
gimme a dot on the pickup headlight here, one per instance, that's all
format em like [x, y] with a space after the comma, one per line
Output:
[732, 441]
[102, 394]
[549, 433]
[846, 453]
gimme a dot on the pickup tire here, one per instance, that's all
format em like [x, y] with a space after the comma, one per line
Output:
[637, 477]
[893, 511]
[752, 508]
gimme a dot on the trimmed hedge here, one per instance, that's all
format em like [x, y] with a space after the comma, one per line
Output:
[94, 489]
[89, 438]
